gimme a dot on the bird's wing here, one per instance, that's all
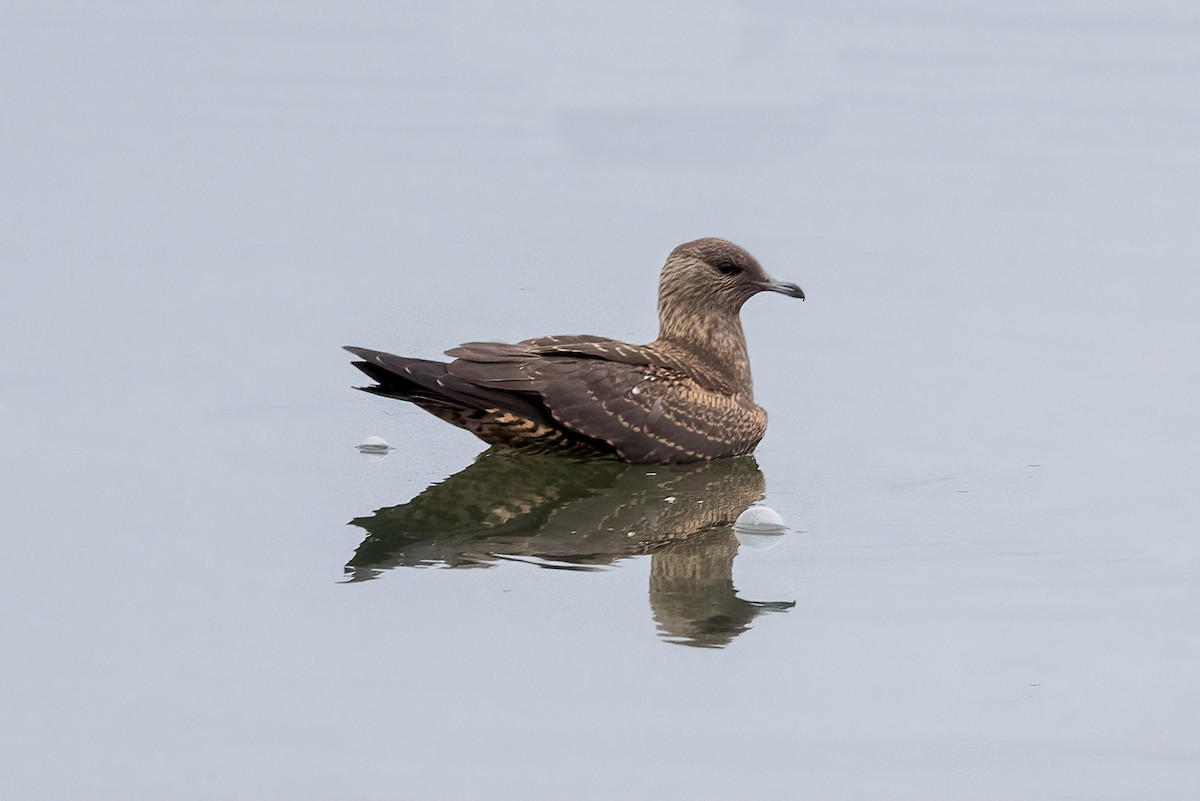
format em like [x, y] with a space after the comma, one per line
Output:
[618, 394]
[582, 347]
[592, 347]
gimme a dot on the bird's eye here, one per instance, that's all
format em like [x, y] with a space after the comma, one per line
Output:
[727, 268]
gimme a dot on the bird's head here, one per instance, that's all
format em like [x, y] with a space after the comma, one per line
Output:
[714, 276]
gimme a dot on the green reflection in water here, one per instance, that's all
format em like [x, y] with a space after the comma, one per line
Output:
[580, 515]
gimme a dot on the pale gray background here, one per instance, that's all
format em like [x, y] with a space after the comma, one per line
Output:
[992, 207]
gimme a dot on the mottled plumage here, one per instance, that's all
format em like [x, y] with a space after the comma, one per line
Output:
[685, 397]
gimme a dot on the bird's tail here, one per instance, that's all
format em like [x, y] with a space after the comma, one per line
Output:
[402, 377]
[430, 385]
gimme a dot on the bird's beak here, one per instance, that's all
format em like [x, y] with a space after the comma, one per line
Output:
[782, 287]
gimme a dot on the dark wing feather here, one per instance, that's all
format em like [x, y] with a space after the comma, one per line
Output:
[581, 347]
[655, 416]
[611, 350]
[489, 351]
[429, 383]
[599, 393]
[618, 394]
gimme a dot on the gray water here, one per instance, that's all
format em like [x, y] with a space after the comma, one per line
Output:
[984, 435]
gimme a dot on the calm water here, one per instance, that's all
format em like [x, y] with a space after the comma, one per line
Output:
[985, 436]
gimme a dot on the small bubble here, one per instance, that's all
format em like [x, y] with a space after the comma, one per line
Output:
[760, 519]
[759, 528]
[374, 447]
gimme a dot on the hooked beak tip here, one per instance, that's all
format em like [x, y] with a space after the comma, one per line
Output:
[784, 288]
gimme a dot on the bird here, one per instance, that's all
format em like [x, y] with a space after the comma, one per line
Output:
[685, 397]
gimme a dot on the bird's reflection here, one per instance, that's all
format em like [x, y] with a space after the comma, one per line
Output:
[581, 515]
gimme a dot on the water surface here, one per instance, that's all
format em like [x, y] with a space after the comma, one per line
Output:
[984, 435]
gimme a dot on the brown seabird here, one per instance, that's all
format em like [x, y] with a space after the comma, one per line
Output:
[685, 397]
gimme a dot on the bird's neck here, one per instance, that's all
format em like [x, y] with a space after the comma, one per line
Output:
[714, 340]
